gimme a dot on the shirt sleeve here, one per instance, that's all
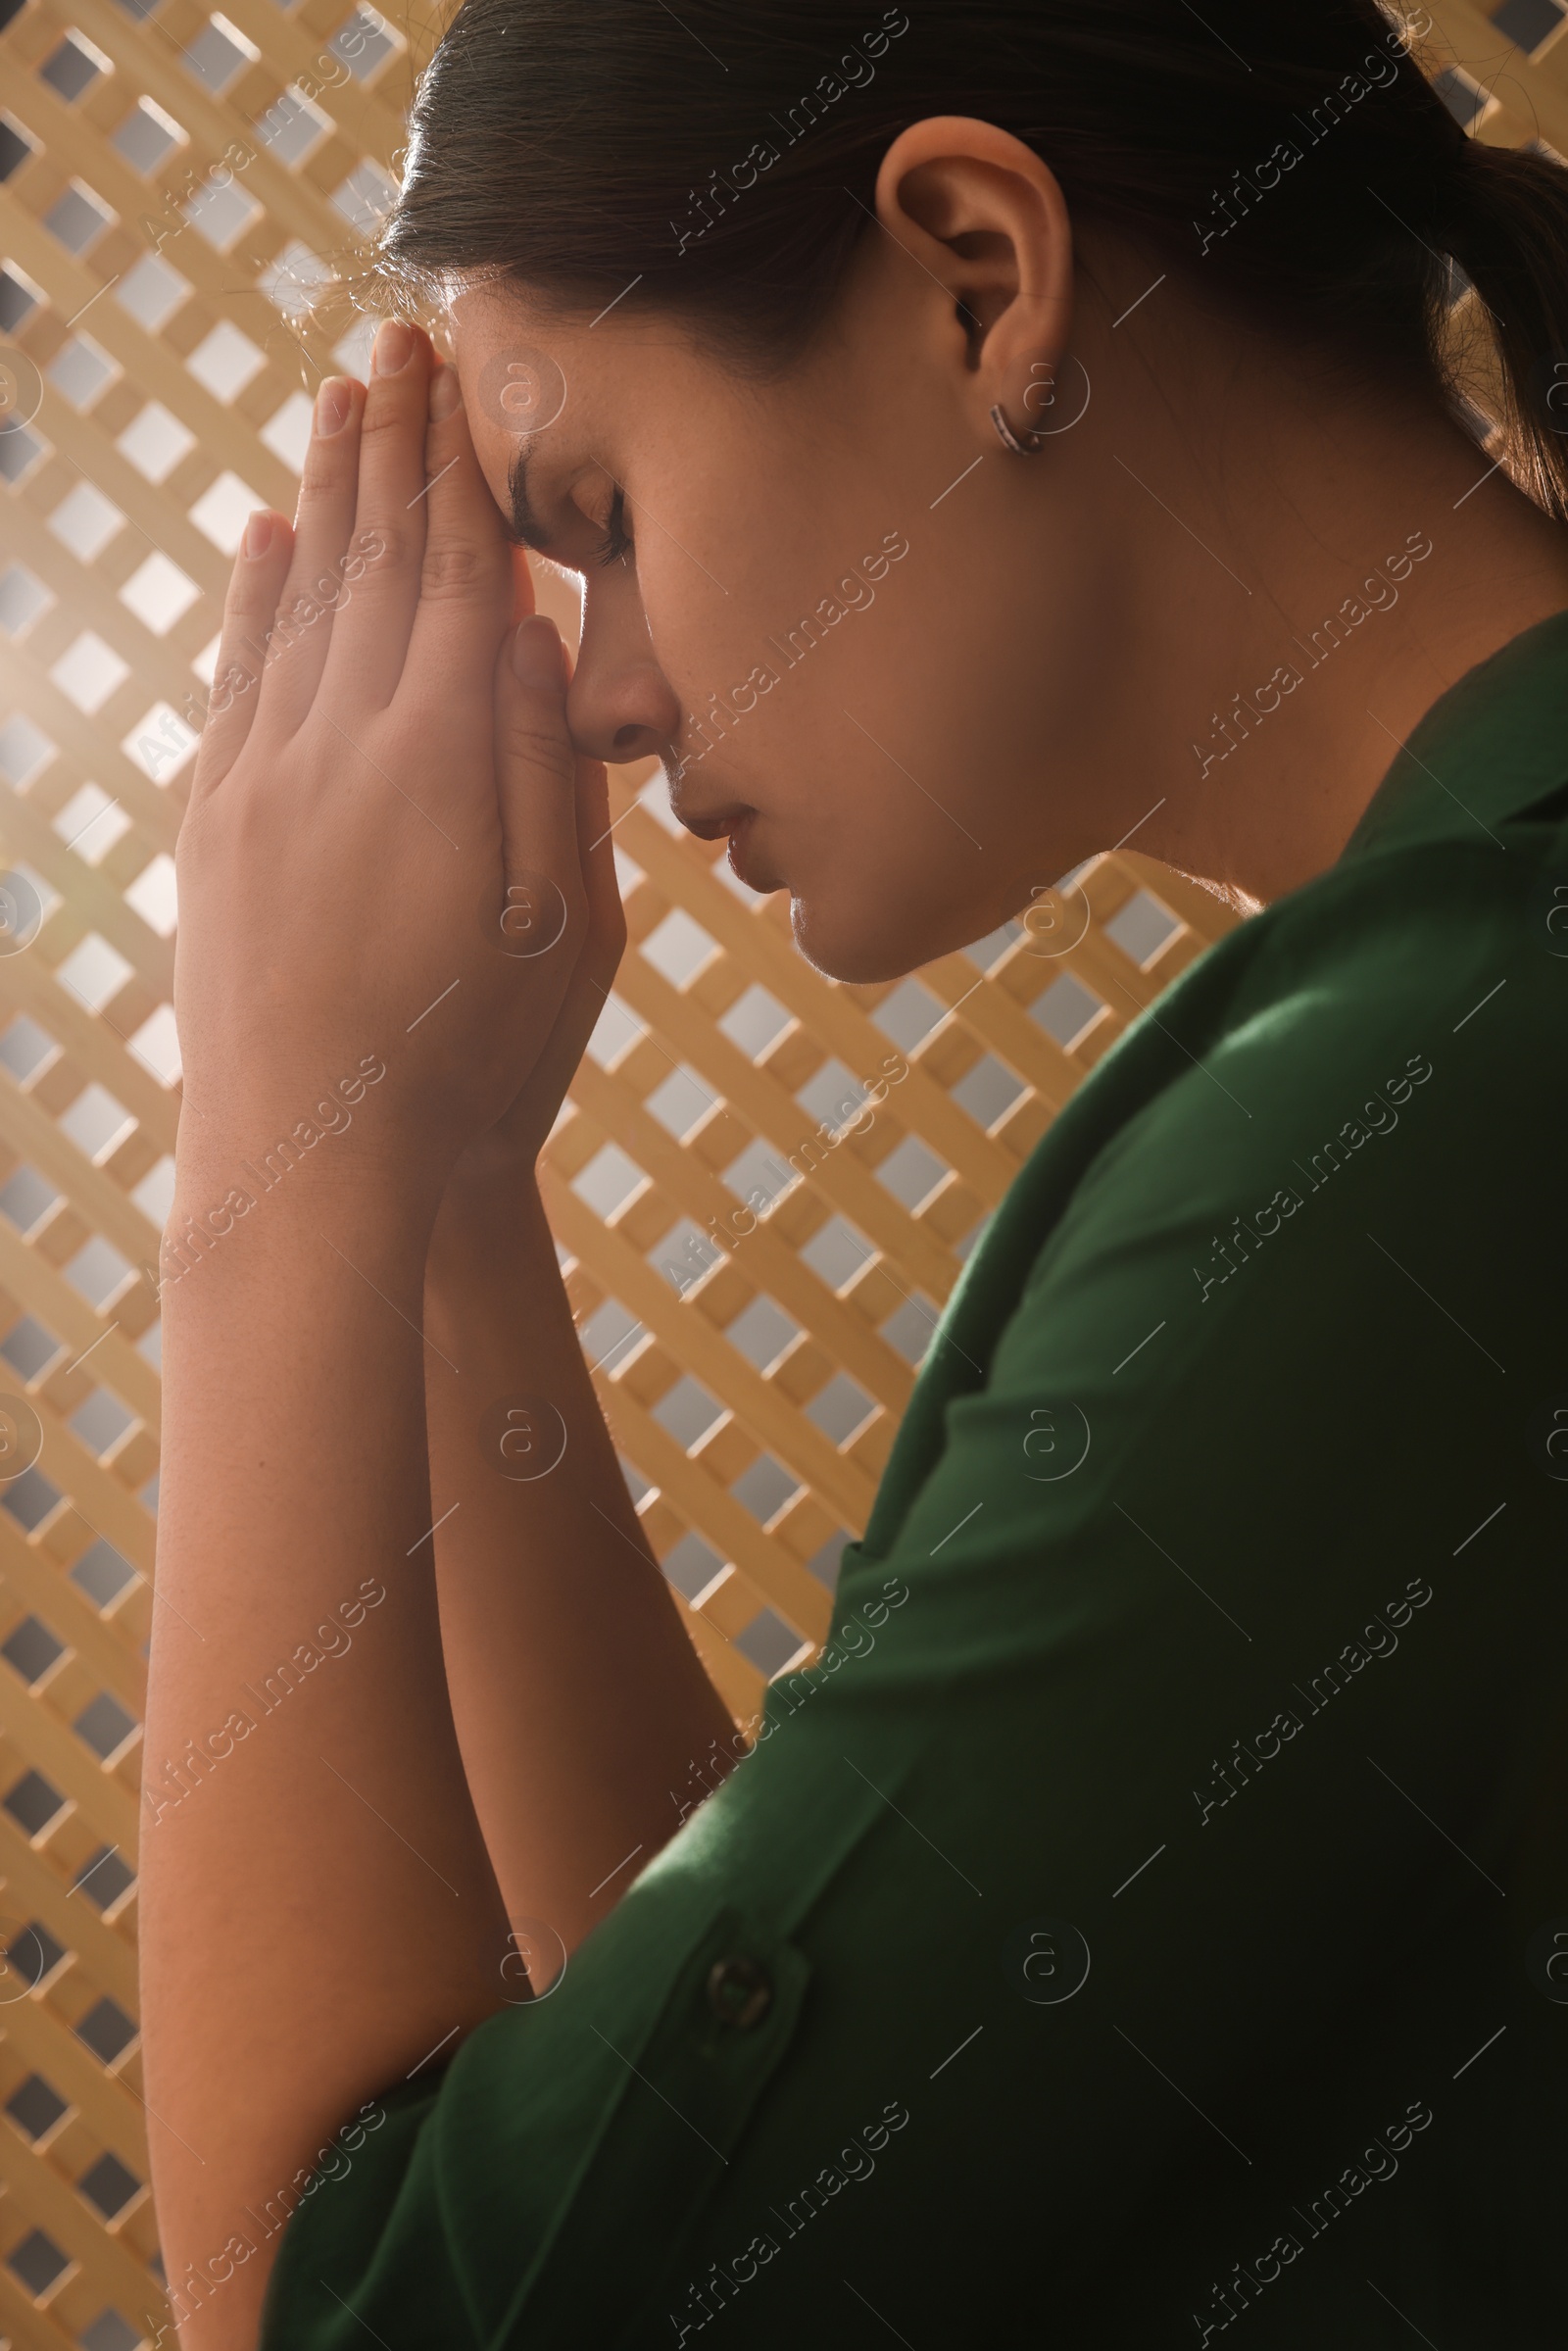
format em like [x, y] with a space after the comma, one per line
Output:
[1132, 1909]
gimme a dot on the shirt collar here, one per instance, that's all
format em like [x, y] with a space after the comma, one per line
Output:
[1494, 743]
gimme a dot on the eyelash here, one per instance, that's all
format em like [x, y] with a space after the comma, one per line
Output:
[616, 539]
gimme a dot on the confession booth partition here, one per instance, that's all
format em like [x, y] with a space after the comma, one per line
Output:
[762, 1185]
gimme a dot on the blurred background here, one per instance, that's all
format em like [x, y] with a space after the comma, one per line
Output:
[185, 200]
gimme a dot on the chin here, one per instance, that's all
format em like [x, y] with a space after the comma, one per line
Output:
[846, 942]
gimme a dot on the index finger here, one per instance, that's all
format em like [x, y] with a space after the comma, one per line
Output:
[468, 584]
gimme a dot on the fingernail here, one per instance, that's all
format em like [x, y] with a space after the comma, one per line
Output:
[394, 343]
[332, 404]
[536, 651]
[445, 392]
[259, 533]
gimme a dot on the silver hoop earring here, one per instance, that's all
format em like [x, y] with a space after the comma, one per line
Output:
[1010, 439]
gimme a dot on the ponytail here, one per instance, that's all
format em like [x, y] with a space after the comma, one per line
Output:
[1507, 229]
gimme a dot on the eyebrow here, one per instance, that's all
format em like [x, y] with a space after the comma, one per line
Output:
[526, 527]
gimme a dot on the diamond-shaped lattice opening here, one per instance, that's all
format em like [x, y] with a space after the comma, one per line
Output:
[608, 1181]
[86, 521]
[94, 972]
[28, 1346]
[25, 1049]
[102, 1574]
[912, 1172]
[765, 1487]
[753, 1020]
[677, 949]
[153, 895]
[836, 1253]
[1527, 22]
[988, 1091]
[96, 1123]
[1463, 97]
[154, 442]
[109, 2186]
[291, 126]
[839, 1408]
[104, 1725]
[909, 1014]
[680, 1102]
[608, 1334]
[158, 593]
[287, 431]
[223, 509]
[762, 1331]
[364, 43]
[366, 198]
[32, 1955]
[910, 1330]
[14, 147]
[825, 1562]
[146, 135]
[29, 1500]
[691, 1566]
[22, 598]
[102, 1421]
[1143, 927]
[226, 361]
[684, 1254]
[72, 68]
[32, 1650]
[104, 1879]
[219, 54]
[80, 370]
[108, 2331]
[614, 1030]
[25, 1198]
[107, 2031]
[33, 1803]
[834, 1096]
[769, 1642]
[686, 1412]
[1066, 1010]
[89, 671]
[26, 750]
[35, 2107]
[759, 1176]
[38, 2262]
[77, 217]
[98, 1271]
[152, 291]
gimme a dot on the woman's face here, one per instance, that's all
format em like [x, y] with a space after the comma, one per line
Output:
[827, 602]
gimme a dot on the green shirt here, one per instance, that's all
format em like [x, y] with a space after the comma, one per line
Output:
[1154, 1903]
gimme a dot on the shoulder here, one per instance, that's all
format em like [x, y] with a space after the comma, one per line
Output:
[1381, 1045]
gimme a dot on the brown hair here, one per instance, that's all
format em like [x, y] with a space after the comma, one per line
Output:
[719, 165]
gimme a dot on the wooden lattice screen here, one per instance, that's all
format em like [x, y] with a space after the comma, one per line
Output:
[182, 200]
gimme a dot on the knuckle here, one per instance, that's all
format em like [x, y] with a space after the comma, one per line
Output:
[541, 748]
[454, 571]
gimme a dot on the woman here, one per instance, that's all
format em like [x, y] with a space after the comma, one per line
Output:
[1160, 1910]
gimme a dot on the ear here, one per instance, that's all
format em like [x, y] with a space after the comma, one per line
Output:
[988, 222]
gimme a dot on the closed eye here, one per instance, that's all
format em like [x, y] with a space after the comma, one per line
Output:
[615, 540]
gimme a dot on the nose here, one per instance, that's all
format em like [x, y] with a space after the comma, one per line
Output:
[619, 706]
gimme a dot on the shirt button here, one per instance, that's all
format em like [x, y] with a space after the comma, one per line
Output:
[739, 1992]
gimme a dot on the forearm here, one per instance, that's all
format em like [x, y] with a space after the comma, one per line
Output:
[579, 1699]
[319, 1911]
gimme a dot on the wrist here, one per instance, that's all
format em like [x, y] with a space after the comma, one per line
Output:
[490, 1225]
[238, 1217]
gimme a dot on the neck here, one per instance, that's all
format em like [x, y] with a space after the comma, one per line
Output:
[1308, 568]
